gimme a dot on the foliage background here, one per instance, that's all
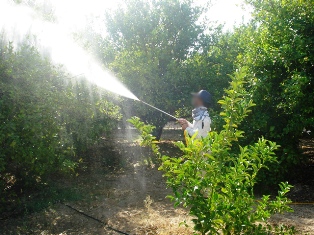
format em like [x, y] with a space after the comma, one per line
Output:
[276, 47]
[162, 51]
[47, 120]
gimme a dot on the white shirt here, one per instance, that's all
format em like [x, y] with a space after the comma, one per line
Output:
[202, 126]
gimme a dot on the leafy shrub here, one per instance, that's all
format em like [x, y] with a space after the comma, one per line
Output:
[215, 180]
[46, 121]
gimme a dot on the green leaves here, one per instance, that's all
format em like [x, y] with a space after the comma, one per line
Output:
[215, 181]
[276, 48]
[147, 139]
[151, 42]
[46, 121]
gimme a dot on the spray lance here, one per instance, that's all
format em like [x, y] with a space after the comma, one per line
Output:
[185, 133]
[203, 95]
[159, 110]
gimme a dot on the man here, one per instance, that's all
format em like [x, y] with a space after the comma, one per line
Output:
[201, 120]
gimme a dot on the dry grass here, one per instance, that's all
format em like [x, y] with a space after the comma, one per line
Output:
[132, 200]
[157, 221]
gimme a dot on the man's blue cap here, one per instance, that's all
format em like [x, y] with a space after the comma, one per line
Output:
[205, 96]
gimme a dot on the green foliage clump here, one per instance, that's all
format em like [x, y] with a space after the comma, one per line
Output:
[215, 180]
[147, 139]
[46, 121]
[278, 48]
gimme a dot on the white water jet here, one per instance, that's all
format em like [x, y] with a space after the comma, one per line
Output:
[18, 21]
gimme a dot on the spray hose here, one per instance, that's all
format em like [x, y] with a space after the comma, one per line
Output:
[95, 219]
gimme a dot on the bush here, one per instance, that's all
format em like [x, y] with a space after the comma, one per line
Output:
[215, 180]
[46, 122]
[278, 48]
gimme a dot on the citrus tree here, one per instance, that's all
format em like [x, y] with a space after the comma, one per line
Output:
[278, 49]
[215, 177]
[47, 120]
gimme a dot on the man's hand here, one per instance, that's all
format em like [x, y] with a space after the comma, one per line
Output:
[184, 123]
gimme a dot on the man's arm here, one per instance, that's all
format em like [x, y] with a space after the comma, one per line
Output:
[184, 123]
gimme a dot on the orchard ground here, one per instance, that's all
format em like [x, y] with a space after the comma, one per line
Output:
[114, 187]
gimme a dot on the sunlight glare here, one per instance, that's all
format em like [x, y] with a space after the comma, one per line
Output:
[20, 21]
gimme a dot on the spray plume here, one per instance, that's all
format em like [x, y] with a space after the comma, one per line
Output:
[18, 21]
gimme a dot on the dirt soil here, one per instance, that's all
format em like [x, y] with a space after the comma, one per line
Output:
[132, 198]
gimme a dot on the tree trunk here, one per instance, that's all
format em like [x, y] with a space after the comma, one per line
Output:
[158, 132]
